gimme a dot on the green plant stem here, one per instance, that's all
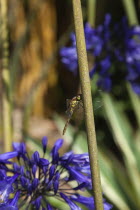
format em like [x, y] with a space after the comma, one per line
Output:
[91, 12]
[87, 100]
[6, 102]
[130, 11]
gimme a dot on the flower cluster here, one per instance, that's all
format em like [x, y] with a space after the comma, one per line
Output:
[33, 180]
[116, 48]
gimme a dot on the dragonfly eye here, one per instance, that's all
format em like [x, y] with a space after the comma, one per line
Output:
[78, 98]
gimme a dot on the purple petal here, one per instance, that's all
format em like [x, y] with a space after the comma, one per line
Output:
[76, 175]
[44, 143]
[72, 205]
[49, 207]
[87, 201]
[55, 156]
[8, 155]
[51, 172]
[36, 157]
[19, 147]
[43, 162]
[56, 182]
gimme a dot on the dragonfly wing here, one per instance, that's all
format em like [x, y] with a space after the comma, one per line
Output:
[97, 104]
[81, 104]
[78, 107]
[68, 103]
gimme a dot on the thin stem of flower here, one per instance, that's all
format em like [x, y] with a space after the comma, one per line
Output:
[87, 100]
[6, 100]
[130, 11]
[91, 4]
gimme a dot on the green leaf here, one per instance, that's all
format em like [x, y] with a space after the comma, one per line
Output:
[120, 128]
[109, 183]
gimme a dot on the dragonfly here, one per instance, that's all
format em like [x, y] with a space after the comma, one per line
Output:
[72, 105]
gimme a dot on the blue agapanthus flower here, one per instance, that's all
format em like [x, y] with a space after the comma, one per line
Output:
[32, 181]
[97, 40]
[112, 45]
[129, 51]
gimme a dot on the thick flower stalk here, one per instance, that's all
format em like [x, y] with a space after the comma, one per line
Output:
[34, 179]
[116, 48]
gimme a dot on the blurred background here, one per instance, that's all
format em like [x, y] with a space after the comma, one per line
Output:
[36, 82]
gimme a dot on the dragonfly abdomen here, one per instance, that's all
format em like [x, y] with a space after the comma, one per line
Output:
[65, 127]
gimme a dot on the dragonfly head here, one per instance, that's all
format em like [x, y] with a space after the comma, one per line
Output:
[79, 97]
